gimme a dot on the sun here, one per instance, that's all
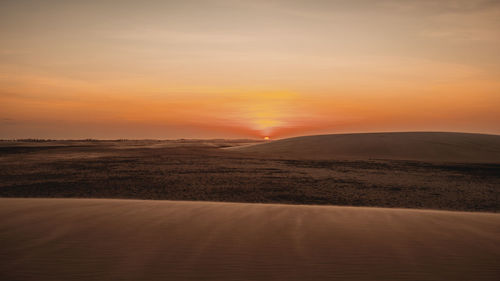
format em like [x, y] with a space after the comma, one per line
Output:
[266, 138]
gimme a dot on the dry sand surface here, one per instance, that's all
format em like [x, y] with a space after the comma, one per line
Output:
[100, 239]
[421, 146]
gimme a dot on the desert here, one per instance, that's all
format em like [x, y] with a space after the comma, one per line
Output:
[273, 215]
[465, 177]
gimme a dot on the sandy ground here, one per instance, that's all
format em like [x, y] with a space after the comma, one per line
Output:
[101, 239]
[201, 170]
[419, 146]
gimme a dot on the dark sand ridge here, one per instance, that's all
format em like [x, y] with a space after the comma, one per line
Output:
[101, 239]
[422, 146]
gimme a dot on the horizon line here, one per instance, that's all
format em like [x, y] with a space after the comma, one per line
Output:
[232, 139]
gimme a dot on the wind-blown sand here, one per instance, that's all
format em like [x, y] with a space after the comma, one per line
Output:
[422, 146]
[96, 239]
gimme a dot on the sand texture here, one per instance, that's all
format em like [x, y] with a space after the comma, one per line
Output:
[101, 239]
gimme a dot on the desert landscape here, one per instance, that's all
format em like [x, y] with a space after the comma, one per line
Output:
[102, 239]
[446, 171]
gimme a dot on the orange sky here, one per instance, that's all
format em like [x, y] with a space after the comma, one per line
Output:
[239, 69]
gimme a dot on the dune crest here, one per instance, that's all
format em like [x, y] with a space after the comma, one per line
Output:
[420, 146]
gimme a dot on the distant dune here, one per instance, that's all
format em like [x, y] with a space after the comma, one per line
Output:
[423, 146]
[95, 239]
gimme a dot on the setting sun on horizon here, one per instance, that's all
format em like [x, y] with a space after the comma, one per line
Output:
[247, 69]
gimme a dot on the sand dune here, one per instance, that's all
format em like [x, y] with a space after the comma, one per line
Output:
[93, 239]
[424, 146]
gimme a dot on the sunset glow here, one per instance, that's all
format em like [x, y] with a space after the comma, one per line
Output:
[247, 69]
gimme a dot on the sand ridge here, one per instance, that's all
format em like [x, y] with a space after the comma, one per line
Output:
[420, 146]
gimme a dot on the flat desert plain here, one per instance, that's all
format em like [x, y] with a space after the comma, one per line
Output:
[102, 239]
[446, 171]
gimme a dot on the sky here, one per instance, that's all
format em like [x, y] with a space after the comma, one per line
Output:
[247, 69]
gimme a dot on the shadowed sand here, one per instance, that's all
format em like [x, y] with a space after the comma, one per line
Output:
[422, 146]
[96, 239]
